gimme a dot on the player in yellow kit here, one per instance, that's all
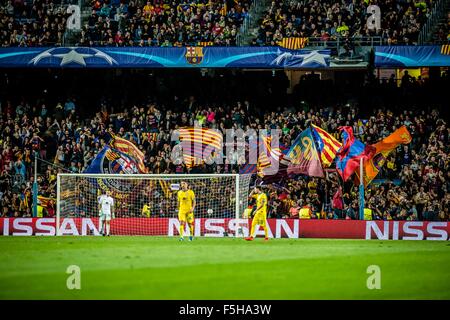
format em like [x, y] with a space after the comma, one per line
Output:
[260, 217]
[186, 206]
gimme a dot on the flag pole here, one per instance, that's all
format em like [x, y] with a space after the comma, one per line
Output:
[361, 190]
[315, 145]
[35, 186]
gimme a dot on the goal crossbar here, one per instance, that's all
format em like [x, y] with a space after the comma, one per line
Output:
[77, 187]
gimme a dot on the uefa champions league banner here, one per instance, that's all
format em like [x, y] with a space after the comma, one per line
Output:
[186, 57]
[226, 227]
[412, 56]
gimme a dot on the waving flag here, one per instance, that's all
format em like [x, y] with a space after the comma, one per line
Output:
[382, 149]
[268, 156]
[113, 161]
[326, 144]
[250, 168]
[304, 156]
[352, 151]
[198, 143]
[110, 160]
[130, 149]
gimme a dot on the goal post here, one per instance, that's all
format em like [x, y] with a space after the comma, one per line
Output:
[146, 204]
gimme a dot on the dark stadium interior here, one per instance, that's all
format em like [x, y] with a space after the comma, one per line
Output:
[264, 89]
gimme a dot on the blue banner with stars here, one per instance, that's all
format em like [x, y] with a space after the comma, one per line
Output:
[149, 57]
[412, 56]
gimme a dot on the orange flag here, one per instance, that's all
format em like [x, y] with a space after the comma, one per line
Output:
[382, 149]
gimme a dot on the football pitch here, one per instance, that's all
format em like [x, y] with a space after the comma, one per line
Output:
[221, 268]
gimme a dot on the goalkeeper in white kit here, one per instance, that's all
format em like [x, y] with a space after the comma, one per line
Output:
[106, 211]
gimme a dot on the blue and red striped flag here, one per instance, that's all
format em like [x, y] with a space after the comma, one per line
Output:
[352, 151]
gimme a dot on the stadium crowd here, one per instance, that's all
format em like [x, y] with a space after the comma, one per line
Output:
[416, 177]
[164, 23]
[209, 22]
[330, 19]
[32, 23]
[443, 33]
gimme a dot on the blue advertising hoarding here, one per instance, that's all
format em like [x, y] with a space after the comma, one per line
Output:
[148, 57]
[412, 56]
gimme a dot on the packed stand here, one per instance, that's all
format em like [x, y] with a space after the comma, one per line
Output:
[443, 33]
[331, 19]
[415, 182]
[32, 23]
[164, 23]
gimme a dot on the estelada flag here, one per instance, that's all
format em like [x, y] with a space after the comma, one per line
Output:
[382, 149]
[327, 145]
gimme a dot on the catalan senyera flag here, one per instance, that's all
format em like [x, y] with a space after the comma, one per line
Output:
[165, 186]
[445, 49]
[205, 43]
[304, 156]
[293, 43]
[382, 149]
[130, 149]
[199, 142]
[46, 202]
[327, 145]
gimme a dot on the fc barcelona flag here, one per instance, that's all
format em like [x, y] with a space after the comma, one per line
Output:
[351, 153]
[382, 149]
[112, 161]
[248, 169]
[130, 149]
[304, 156]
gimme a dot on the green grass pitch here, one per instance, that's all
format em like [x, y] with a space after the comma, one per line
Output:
[221, 268]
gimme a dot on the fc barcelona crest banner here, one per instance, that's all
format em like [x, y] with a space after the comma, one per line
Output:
[110, 160]
[194, 55]
[163, 57]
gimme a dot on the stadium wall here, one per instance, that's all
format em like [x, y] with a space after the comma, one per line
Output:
[209, 227]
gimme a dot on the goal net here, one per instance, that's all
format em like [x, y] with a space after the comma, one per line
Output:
[147, 204]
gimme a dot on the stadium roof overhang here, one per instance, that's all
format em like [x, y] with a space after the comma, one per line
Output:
[149, 57]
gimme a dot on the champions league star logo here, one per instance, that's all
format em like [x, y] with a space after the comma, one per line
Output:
[308, 59]
[73, 55]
